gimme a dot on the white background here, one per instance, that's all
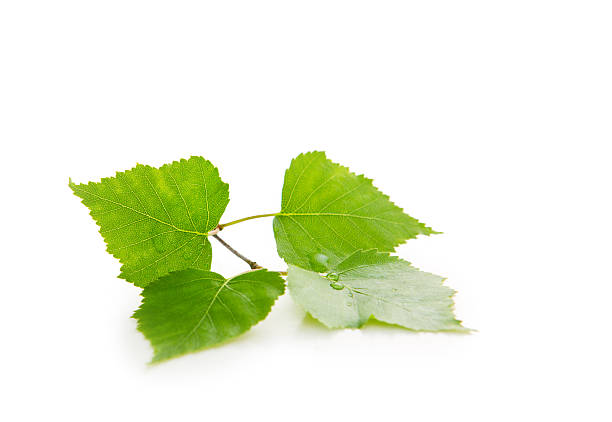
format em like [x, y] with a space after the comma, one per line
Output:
[488, 120]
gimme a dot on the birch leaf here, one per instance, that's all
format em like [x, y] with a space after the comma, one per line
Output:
[190, 310]
[369, 284]
[328, 213]
[156, 220]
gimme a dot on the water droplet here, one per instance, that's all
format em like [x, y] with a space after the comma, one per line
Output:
[318, 262]
[349, 304]
[332, 276]
[337, 286]
[321, 258]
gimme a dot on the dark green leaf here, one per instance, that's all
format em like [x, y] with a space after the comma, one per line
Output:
[190, 310]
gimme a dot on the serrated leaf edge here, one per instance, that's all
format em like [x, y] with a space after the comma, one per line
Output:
[73, 186]
[460, 329]
[155, 361]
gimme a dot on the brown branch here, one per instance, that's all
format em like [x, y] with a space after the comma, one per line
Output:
[252, 264]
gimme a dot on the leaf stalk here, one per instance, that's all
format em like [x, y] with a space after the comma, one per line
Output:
[231, 223]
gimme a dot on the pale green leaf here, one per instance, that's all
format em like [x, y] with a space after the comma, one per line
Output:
[328, 213]
[189, 310]
[372, 284]
[156, 220]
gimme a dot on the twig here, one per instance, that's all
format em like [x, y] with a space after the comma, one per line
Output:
[252, 264]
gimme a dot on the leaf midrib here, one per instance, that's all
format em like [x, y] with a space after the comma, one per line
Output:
[206, 313]
[139, 212]
[213, 300]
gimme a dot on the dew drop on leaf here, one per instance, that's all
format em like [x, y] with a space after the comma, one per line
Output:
[332, 276]
[319, 262]
[321, 259]
[337, 286]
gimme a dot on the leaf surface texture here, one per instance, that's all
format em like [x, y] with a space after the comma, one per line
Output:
[372, 284]
[189, 310]
[328, 213]
[156, 220]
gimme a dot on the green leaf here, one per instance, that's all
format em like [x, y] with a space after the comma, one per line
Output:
[156, 220]
[328, 213]
[189, 310]
[372, 284]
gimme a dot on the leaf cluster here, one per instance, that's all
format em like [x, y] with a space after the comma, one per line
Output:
[335, 231]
